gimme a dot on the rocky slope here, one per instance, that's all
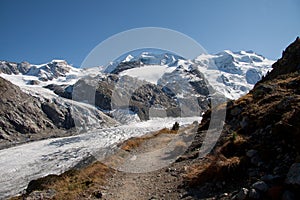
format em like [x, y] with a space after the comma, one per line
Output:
[169, 97]
[25, 118]
[30, 114]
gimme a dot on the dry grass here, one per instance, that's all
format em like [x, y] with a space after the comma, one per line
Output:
[87, 180]
[215, 168]
[134, 143]
[226, 161]
[74, 184]
[244, 100]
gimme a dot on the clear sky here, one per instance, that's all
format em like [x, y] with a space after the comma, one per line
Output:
[41, 30]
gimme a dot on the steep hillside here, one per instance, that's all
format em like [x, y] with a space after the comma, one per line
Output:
[259, 148]
[24, 118]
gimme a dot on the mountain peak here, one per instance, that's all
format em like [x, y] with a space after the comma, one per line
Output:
[47, 71]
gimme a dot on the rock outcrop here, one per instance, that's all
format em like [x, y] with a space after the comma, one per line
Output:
[14, 68]
[22, 116]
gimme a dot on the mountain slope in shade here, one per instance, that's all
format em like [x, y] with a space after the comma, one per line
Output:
[24, 117]
[33, 113]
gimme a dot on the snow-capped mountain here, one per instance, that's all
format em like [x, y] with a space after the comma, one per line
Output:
[233, 73]
[44, 72]
[144, 58]
[155, 82]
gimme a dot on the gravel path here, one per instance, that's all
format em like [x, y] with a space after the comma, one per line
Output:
[149, 172]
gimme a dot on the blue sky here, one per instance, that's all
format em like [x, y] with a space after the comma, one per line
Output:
[39, 31]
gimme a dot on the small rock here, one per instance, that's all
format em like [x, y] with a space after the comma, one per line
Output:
[254, 194]
[261, 186]
[224, 194]
[235, 111]
[171, 169]
[274, 179]
[253, 172]
[293, 176]
[242, 194]
[267, 177]
[98, 194]
[287, 195]
[276, 170]
[251, 153]
[219, 185]
[255, 160]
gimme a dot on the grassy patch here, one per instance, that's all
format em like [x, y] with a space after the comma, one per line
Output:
[73, 184]
[134, 143]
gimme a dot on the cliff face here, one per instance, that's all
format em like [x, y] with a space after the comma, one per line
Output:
[260, 139]
[23, 117]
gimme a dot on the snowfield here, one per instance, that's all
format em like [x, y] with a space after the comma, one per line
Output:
[150, 73]
[21, 164]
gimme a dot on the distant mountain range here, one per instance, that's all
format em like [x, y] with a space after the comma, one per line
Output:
[153, 85]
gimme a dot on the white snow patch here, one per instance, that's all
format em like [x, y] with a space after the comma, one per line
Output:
[150, 73]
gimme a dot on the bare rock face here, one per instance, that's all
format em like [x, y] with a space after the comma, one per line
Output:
[126, 65]
[20, 113]
[14, 68]
[23, 116]
[61, 117]
[64, 91]
[151, 96]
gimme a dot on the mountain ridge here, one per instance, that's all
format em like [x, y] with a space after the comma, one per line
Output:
[179, 87]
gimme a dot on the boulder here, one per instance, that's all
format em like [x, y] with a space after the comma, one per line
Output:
[261, 186]
[293, 176]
